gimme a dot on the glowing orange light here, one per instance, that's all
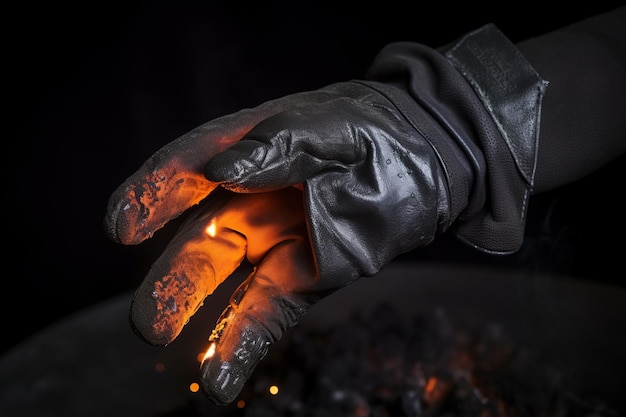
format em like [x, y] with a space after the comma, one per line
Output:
[210, 352]
[212, 228]
[241, 404]
[430, 385]
[194, 387]
[274, 389]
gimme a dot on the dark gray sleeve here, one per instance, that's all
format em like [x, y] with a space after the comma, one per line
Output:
[583, 122]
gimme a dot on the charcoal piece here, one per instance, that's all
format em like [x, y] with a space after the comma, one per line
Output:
[380, 363]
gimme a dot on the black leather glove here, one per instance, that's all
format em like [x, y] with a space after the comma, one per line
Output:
[328, 186]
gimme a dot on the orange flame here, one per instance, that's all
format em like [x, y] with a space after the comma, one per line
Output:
[212, 228]
[210, 352]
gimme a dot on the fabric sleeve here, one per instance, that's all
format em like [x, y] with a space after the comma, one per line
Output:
[583, 121]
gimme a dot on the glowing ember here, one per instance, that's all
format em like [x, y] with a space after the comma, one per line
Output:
[159, 367]
[211, 228]
[430, 386]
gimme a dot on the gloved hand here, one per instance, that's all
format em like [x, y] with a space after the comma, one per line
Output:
[318, 189]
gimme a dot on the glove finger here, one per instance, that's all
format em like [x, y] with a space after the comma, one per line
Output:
[206, 250]
[203, 253]
[172, 180]
[273, 298]
[293, 146]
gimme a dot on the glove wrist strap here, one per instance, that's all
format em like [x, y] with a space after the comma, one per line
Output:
[509, 88]
[511, 92]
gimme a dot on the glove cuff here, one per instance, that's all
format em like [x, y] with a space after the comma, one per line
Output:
[511, 92]
[487, 98]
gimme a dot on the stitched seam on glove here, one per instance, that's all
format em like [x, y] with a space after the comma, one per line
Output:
[508, 86]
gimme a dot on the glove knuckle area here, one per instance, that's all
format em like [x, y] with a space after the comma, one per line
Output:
[362, 219]
[296, 144]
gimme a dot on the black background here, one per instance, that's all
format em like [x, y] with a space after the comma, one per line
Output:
[94, 89]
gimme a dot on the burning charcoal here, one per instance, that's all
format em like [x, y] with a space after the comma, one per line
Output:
[411, 404]
[379, 363]
[467, 400]
[437, 392]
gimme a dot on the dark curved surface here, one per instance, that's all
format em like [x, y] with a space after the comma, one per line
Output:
[92, 364]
